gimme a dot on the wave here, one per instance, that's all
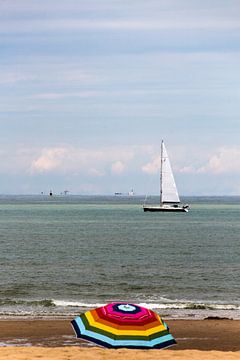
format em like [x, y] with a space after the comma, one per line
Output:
[66, 303]
[43, 302]
[165, 304]
[155, 306]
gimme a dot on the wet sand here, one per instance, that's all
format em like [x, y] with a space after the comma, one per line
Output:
[222, 335]
[55, 339]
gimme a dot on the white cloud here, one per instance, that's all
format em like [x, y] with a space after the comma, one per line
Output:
[96, 173]
[51, 7]
[64, 95]
[70, 24]
[226, 160]
[15, 161]
[96, 162]
[153, 166]
[187, 170]
[91, 162]
[13, 77]
[80, 77]
[88, 166]
[118, 167]
[49, 160]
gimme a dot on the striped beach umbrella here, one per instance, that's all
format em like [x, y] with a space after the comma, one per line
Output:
[123, 325]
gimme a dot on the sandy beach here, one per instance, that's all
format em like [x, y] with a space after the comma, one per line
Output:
[68, 353]
[54, 339]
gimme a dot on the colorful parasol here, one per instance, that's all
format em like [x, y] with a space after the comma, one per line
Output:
[119, 325]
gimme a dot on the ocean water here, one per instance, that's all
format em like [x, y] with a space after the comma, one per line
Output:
[62, 255]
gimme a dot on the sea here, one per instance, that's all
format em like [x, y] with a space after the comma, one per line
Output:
[63, 255]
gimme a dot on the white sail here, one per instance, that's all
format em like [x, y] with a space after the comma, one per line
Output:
[169, 193]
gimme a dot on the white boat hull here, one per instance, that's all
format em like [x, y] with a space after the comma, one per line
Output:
[163, 208]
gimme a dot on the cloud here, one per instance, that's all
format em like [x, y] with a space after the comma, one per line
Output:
[187, 170]
[76, 160]
[51, 7]
[226, 160]
[64, 95]
[49, 160]
[96, 173]
[118, 167]
[15, 161]
[13, 77]
[153, 166]
[81, 77]
[71, 24]
[94, 162]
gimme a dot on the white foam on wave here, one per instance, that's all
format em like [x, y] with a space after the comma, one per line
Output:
[154, 306]
[66, 303]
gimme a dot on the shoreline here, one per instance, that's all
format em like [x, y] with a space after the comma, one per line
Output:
[204, 335]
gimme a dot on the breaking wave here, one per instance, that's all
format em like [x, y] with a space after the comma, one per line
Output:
[156, 306]
[167, 308]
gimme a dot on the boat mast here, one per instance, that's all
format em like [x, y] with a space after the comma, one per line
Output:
[161, 172]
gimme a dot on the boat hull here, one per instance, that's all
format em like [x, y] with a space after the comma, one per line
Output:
[164, 209]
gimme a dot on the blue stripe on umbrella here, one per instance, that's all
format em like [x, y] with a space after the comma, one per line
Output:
[166, 326]
[134, 343]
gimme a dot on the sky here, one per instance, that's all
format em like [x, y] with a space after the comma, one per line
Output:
[88, 89]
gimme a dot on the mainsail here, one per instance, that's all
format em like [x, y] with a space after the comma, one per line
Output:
[169, 193]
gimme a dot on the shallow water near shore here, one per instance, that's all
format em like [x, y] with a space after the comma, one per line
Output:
[65, 254]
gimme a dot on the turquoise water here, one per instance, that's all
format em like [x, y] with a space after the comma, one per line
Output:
[62, 255]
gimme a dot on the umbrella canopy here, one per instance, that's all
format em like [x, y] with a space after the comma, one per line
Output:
[119, 325]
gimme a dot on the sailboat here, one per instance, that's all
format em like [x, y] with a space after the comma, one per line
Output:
[169, 198]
